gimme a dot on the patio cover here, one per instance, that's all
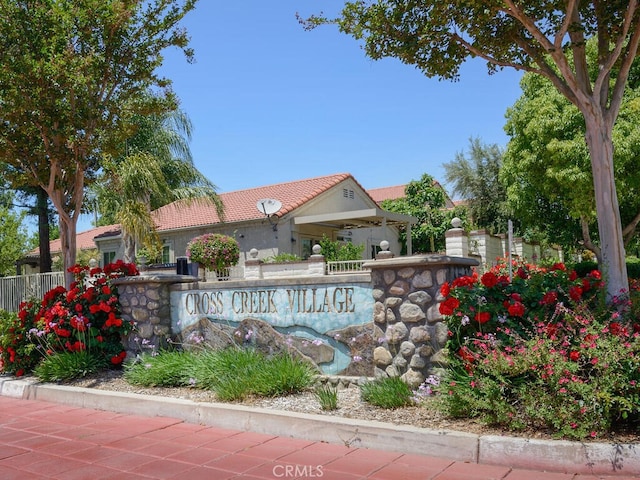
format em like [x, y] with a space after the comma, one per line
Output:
[369, 217]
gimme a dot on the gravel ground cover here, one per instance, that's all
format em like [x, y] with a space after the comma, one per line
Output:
[349, 406]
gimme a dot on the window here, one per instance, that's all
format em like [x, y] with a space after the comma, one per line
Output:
[307, 247]
[108, 257]
[166, 253]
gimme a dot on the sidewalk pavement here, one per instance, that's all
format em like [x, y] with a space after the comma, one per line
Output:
[132, 437]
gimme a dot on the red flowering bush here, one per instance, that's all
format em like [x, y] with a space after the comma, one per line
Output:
[17, 354]
[541, 352]
[493, 304]
[85, 318]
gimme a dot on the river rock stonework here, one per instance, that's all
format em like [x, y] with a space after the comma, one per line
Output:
[145, 301]
[409, 329]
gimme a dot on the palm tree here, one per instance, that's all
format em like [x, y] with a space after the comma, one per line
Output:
[155, 168]
[476, 180]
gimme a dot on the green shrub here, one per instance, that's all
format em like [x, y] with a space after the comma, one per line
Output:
[64, 366]
[338, 251]
[283, 258]
[283, 375]
[633, 267]
[387, 392]
[327, 395]
[541, 351]
[232, 373]
[584, 267]
[169, 369]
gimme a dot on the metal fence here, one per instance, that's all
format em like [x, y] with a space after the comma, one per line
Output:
[14, 290]
[345, 266]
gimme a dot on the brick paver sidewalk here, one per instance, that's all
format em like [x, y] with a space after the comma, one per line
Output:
[40, 440]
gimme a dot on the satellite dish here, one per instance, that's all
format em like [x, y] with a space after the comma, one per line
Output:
[268, 206]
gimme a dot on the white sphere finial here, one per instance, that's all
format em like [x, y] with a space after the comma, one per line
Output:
[316, 249]
[253, 253]
[456, 222]
[384, 245]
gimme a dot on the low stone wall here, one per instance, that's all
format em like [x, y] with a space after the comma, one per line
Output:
[408, 325]
[145, 301]
[384, 322]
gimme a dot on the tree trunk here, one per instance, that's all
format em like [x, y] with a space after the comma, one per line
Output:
[44, 235]
[68, 243]
[129, 248]
[600, 143]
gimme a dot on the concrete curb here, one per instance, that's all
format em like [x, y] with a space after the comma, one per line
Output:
[531, 454]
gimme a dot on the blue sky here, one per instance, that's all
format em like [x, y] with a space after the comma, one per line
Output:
[271, 102]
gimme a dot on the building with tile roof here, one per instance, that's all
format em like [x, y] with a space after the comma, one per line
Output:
[333, 205]
[398, 191]
[84, 241]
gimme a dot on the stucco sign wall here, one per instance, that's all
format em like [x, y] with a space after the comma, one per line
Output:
[319, 307]
[325, 321]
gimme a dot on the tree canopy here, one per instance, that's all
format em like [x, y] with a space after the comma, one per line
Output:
[546, 166]
[545, 37]
[154, 167]
[69, 71]
[14, 238]
[475, 177]
[424, 199]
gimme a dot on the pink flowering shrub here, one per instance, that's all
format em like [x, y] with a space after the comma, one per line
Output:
[541, 351]
[214, 251]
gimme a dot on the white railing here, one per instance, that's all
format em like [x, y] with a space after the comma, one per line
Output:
[14, 290]
[345, 266]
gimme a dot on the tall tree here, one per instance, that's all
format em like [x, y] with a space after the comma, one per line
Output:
[14, 238]
[547, 161]
[424, 199]
[476, 179]
[154, 169]
[546, 37]
[35, 201]
[69, 69]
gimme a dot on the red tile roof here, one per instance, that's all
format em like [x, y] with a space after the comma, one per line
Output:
[84, 240]
[393, 193]
[240, 205]
[387, 193]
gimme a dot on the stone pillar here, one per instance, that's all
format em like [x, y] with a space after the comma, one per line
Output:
[145, 301]
[408, 325]
[457, 240]
[252, 267]
[317, 265]
[384, 251]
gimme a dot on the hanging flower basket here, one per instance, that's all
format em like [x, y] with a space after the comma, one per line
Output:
[214, 251]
